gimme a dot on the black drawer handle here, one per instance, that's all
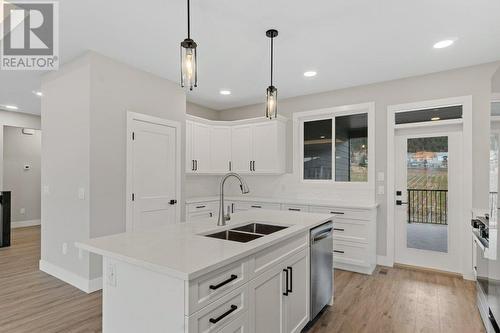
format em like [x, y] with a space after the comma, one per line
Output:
[217, 286]
[294, 209]
[286, 279]
[291, 279]
[338, 251]
[224, 315]
[255, 206]
[338, 229]
[198, 207]
[337, 213]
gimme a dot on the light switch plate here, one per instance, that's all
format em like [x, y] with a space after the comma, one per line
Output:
[81, 193]
[380, 176]
[381, 190]
[111, 275]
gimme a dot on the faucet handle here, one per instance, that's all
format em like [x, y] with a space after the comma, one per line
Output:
[227, 217]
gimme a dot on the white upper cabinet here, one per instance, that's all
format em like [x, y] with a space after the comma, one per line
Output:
[254, 146]
[220, 149]
[197, 147]
[241, 148]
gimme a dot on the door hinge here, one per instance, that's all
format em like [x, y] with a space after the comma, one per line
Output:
[133, 196]
[133, 135]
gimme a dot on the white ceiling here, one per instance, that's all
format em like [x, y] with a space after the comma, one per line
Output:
[348, 43]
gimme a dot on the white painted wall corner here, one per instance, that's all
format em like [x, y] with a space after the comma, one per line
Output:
[85, 285]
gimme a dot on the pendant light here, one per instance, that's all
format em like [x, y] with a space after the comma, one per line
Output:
[189, 68]
[272, 92]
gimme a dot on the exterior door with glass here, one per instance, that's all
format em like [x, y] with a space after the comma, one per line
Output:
[428, 185]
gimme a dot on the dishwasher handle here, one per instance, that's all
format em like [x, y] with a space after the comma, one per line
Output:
[322, 235]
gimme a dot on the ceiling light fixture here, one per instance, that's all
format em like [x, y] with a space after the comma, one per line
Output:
[189, 68]
[435, 118]
[272, 92]
[310, 74]
[444, 43]
[38, 93]
[225, 92]
[11, 107]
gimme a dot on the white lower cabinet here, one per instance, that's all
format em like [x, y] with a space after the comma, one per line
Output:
[239, 325]
[279, 297]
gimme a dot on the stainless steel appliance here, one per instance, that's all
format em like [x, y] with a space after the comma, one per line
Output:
[4, 218]
[493, 255]
[321, 267]
[484, 261]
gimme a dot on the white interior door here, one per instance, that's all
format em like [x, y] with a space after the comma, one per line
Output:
[153, 182]
[428, 186]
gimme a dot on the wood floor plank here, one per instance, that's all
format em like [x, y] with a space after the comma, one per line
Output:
[392, 300]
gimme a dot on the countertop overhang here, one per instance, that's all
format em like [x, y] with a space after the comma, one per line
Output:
[182, 251]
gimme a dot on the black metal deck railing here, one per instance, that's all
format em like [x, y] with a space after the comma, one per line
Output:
[428, 206]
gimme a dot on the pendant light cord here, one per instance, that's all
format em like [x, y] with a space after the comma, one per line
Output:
[272, 55]
[189, 20]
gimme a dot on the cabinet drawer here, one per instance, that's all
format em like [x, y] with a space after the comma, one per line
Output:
[214, 285]
[350, 230]
[240, 205]
[201, 206]
[267, 258]
[342, 212]
[295, 208]
[214, 317]
[200, 215]
[350, 253]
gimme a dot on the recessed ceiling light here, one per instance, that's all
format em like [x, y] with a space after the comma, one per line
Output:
[225, 92]
[11, 107]
[38, 93]
[310, 73]
[435, 118]
[444, 43]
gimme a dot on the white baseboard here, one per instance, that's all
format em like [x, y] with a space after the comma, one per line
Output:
[88, 286]
[384, 261]
[27, 223]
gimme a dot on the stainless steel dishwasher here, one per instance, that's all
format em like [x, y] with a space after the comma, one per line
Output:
[321, 267]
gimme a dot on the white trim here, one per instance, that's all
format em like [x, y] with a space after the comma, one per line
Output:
[85, 285]
[131, 116]
[429, 124]
[331, 113]
[232, 122]
[384, 261]
[26, 223]
[466, 102]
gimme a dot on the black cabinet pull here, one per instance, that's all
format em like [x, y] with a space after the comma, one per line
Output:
[196, 165]
[291, 279]
[230, 167]
[192, 165]
[337, 213]
[256, 206]
[250, 165]
[338, 251]
[286, 279]
[172, 202]
[223, 283]
[198, 207]
[294, 209]
[224, 315]
[253, 165]
[338, 229]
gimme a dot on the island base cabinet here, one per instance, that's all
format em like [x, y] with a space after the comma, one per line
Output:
[279, 298]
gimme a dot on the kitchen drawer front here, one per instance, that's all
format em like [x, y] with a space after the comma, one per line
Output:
[216, 284]
[350, 253]
[239, 325]
[241, 205]
[265, 259]
[359, 214]
[216, 316]
[202, 206]
[200, 215]
[350, 230]
[295, 208]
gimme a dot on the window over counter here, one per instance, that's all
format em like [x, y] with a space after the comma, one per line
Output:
[334, 144]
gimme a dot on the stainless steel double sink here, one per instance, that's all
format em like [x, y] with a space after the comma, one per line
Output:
[247, 233]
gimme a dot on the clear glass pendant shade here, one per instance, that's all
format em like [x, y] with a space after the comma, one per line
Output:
[188, 64]
[272, 102]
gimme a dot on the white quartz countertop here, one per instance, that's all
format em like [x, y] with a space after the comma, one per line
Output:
[180, 251]
[291, 201]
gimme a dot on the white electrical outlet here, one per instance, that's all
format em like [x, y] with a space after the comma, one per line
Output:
[81, 193]
[22, 211]
[111, 275]
[65, 248]
[381, 190]
[380, 176]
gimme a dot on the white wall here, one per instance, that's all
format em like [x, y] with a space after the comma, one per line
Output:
[20, 150]
[201, 111]
[84, 112]
[475, 81]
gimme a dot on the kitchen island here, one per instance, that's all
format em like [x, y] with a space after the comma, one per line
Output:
[177, 279]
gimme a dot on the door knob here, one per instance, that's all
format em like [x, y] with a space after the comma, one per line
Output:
[400, 202]
[173, 202]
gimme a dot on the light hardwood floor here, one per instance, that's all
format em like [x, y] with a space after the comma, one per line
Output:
[391, 300]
